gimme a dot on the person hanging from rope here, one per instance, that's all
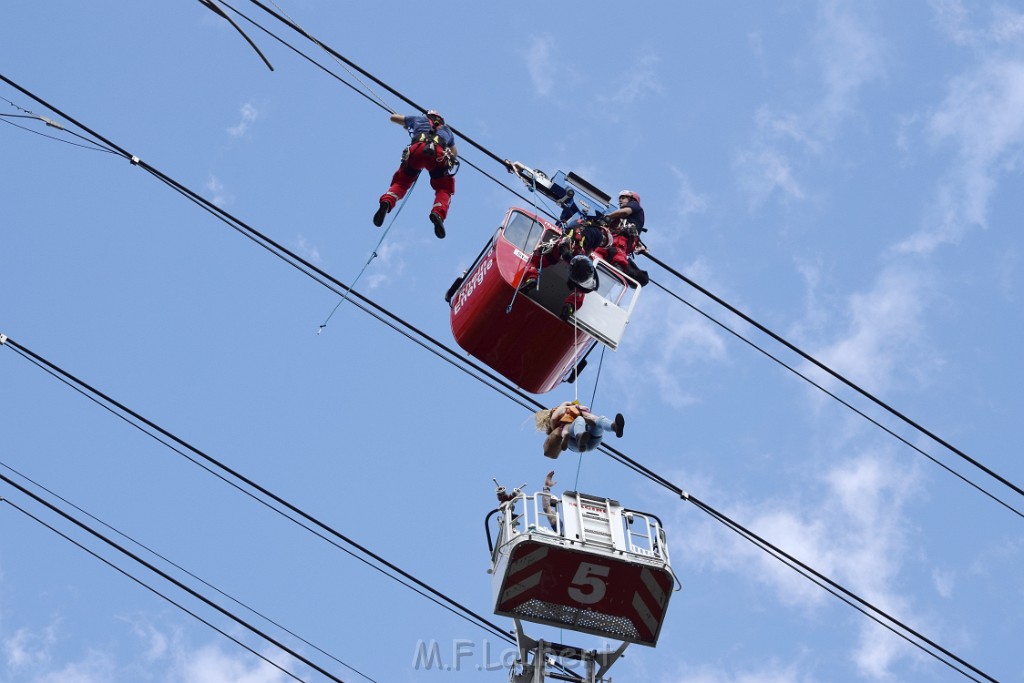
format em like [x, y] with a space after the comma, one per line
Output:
[572, 426]
[432, 148]
[626, 223]
[579, 239]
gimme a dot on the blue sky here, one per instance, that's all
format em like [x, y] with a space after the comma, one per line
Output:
[847, 173]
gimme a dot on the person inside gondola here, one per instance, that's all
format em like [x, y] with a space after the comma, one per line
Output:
[572, 426]
[432, 148]
[579, 239]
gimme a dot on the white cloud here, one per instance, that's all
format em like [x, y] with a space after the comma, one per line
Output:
[34, 657]
[216, 189]
[848, 55]
[944, 582]
[639, 79]
[539, 64]
[853, 532]
[308, 251]
[210, 665]
[884, 342]
[96, 667]
[688, 201]
[953, 18]
[982, 117]
[388, 265]
[26, 649]
[765, 171]
[771, 672]
[157, 643]
[248, 116]
[666, 347]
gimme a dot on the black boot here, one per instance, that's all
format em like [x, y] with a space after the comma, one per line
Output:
[378, 218]
[438, 225]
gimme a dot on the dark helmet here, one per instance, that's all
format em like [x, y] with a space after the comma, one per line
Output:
[582, 273]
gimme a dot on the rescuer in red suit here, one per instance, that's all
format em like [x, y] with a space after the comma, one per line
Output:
[432, 149]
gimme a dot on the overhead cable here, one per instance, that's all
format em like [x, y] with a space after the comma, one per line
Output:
[871, 397]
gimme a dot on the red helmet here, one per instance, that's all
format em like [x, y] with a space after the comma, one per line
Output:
[632, 195]
[433, 114]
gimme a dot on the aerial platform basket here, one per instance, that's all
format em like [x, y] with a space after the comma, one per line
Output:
[583, 563]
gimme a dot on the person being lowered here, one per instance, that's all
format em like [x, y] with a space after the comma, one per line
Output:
[572, 426]
[432, 148]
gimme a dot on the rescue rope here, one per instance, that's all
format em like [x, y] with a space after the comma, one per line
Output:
[597, 379]
[373, 255]
[317, 274]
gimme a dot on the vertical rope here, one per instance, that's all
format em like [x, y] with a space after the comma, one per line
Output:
[373, 255]
[600, 364]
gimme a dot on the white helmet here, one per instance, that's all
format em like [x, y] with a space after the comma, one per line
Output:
[629, 193]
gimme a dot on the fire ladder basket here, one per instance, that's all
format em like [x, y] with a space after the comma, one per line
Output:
[583, 563]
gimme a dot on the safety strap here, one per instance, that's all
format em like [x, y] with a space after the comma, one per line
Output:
[431, 138]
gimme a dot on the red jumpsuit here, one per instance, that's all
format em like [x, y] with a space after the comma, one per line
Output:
[421, 157]
[581, 239]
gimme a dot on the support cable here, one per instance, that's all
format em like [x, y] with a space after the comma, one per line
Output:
[341, 58]
[281, 251]
[668, 268]
[833, 587]
[138, 420]
[866, 394]
[842, 401]
[182, 569]
[195, 594]
[608, 450]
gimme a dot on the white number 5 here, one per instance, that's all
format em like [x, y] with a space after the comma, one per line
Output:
[587, 575]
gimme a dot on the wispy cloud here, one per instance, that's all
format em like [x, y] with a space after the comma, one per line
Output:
[538, 64]
[218, 195]
[688, 201]
[308, 251]
[30, 656]
[667, 346]
[953, 18]
[26, 649]
[849, 55]
[852, 531]
[388, 265]
[211, 665]
[765, 171]
[884, 340]
[640, 78]
[248, 116]
[770, 672]
[982, 117]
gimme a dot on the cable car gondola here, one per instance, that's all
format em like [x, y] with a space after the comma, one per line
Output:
[521, 334]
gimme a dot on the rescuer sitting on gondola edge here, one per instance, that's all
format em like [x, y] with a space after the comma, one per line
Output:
[626, 223]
